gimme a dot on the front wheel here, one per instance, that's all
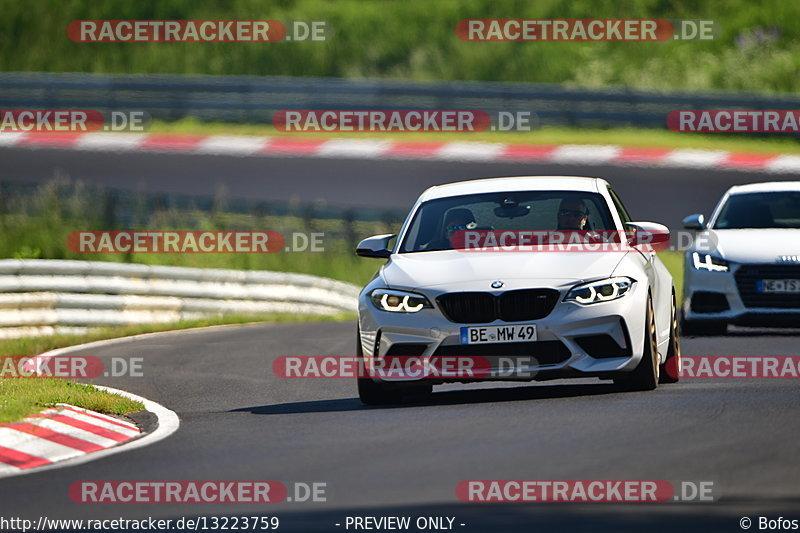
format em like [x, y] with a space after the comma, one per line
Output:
[645, 375]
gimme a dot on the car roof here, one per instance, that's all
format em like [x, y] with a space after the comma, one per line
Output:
[518, 183]
[770, 186]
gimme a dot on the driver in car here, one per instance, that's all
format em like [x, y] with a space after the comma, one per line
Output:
[572, 215]
[458, 219]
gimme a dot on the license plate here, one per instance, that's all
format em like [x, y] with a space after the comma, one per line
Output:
[490, 334]
[790, 286]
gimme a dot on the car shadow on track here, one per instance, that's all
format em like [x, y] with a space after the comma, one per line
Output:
[536, 392]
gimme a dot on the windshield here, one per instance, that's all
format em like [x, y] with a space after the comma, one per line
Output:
[436, 221]
[760, 210]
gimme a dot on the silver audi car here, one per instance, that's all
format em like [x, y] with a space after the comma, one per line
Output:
[744, 265]
[482, 270]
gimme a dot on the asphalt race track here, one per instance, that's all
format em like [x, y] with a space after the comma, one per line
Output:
[240, 422]
[662, 195]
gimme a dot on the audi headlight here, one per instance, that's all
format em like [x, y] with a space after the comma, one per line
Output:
[709, 262]
[398, 301]
[604, 290]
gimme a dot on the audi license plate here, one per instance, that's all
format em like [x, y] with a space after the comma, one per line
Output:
[490, 334]
[787, 286]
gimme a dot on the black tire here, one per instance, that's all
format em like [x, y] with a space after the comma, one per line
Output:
[702, 328]
[645, 376]
[671, 369]
[369, 392]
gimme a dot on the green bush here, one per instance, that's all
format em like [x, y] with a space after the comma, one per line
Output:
[757, 48]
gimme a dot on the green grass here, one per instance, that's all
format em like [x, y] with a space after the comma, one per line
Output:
[637, 137]
[20, 397]
[674, 263]
[757, 48]
[23, 397]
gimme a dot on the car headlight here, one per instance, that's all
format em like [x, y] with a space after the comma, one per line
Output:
[398, 301]
[603, 290]
[708, 262]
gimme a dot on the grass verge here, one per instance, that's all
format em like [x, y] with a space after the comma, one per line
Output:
[21, 397]
[674, 263]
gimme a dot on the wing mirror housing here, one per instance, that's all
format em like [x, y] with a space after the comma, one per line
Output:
[696, 222]
[375, 246]
[648, 234]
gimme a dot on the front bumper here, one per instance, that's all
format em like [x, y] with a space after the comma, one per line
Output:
[715, 297]
[561, 348]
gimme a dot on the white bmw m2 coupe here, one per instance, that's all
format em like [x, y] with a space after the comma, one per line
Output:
[520, 279]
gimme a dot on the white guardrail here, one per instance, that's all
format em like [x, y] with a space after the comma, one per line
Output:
[44, 297]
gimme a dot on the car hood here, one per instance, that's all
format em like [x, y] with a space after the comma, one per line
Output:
[751, 245]
[473, 270]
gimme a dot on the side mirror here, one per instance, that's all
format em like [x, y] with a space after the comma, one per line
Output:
[375, 246]
[697, 222]
[648, 234]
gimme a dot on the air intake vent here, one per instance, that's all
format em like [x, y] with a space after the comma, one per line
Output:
[709, 302]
